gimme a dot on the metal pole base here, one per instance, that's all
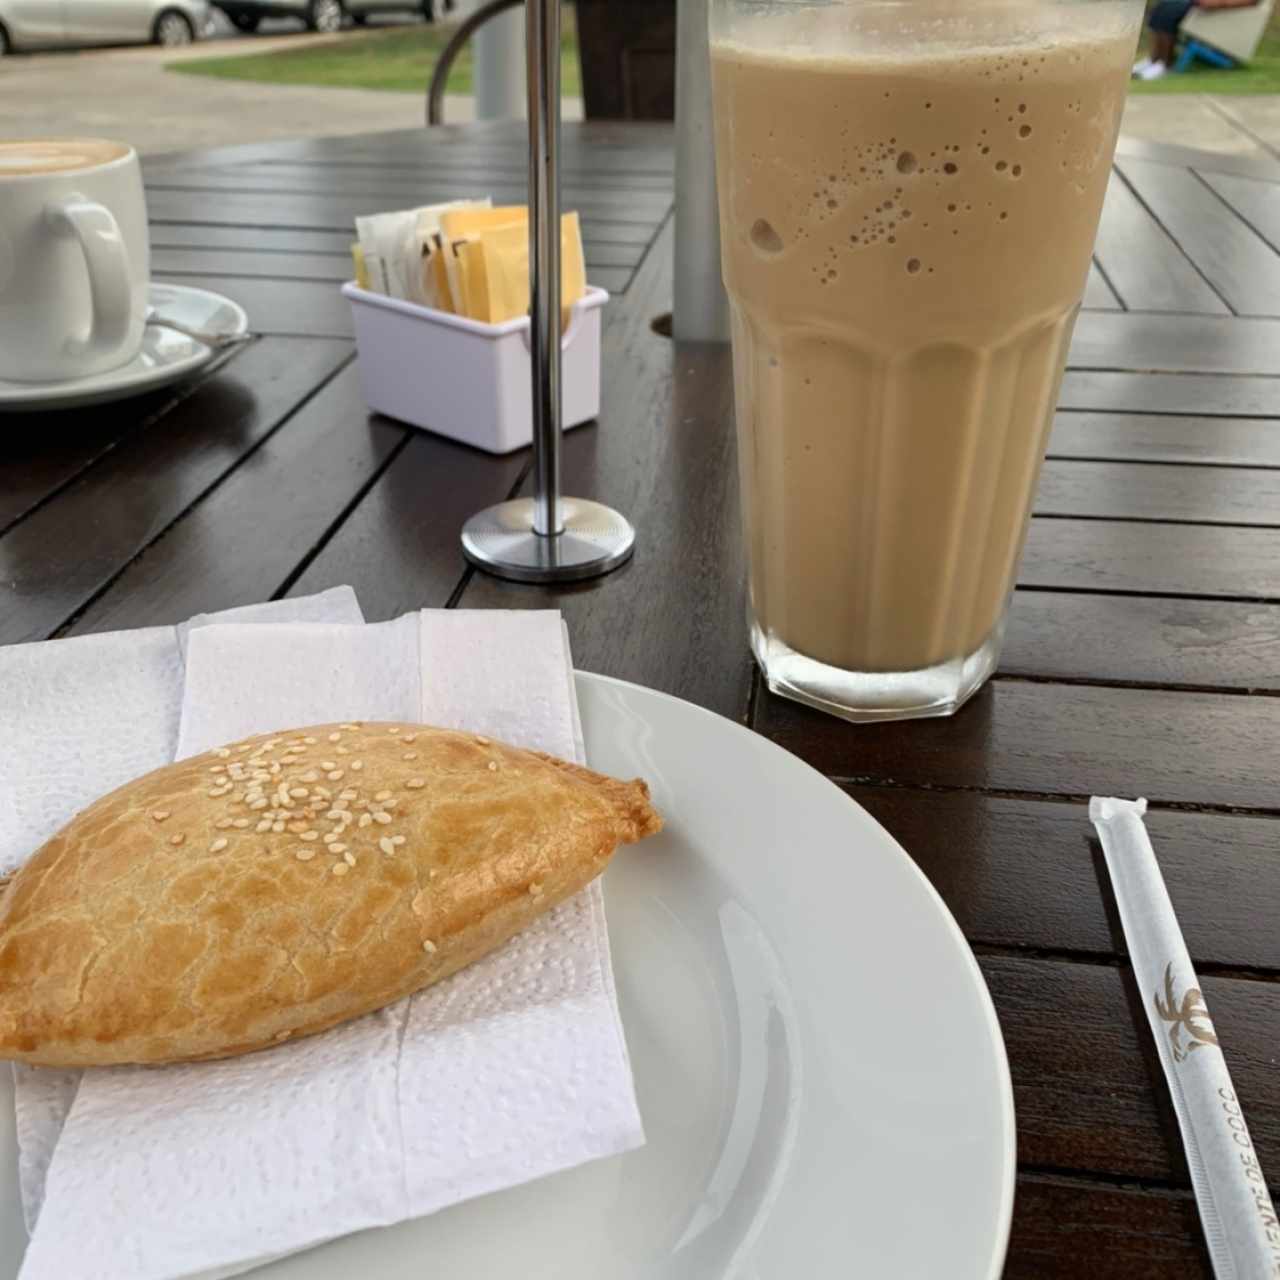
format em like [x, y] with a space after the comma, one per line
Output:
[501, 541]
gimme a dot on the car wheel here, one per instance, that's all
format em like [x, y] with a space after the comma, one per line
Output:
[359, 19]
[173, 29]
[325, 16]
[5, 46]
[428, 10]
[246, 22]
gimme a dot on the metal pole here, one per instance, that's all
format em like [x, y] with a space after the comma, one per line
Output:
[546, 538]
[544, 258]
[500, 67]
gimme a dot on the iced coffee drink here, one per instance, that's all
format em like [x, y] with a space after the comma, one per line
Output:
[909, 195]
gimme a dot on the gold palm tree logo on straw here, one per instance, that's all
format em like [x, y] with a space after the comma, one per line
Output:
[1190, 1016]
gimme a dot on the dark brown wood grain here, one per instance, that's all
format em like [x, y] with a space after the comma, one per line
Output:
[1064, 1228]
[288, 308]
[245, 540]
[1028, 874]
[1056, 739]
[1149, 437]
[1220, 644]
[53, 563]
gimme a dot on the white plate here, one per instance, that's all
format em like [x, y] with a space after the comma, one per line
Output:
[166, 356]
[821, 1076]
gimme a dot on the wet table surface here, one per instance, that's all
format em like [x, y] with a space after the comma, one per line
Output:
[1144, 647]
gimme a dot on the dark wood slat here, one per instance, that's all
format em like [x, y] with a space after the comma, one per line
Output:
[1136, 437]
[1088, 1088]
[207, 235]
[1054, 739]
[251, 215]
[55, 561]
[333, 267]
[1028, 874]
[243, 541]
[1063, 1227]
[335, 207]
[1239, 264]
[309, 308]
[1258, 203]
[1175, 344]
[41, 452]
[663, 455]
[1143, 640]
[1151, 491]
[1145, 266]
[1098, 294]
[399, 549]
[1167, 559]
[1208, 395]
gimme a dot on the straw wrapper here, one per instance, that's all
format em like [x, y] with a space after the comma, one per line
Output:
[1239, 1220]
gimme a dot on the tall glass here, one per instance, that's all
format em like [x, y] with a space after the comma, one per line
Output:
[909, 194]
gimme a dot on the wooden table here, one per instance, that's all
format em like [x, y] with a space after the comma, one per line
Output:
[1143, 656]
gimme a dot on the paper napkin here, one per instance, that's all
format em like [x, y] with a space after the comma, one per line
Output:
[512, 1069]
[81, 717]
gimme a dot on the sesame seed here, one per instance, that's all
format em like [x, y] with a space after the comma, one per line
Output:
[335, 737]
[329, 837]
[223, 823]
[271, 744]
[334, 815]
[273, 768]
[300, 793]
[304, 855]
[416, 784]
[409, 737]
[357, 765]
[435, 871]
[264, 825]
[160, 814]
[349, 794]
[277, 825]
[244, 747]
[383, 795]
[535, 890]
[343, 751]
[221, 752]
[348, 858]
[218, 845]
[258, 802]
[410, 755]
[260, 775]
[397, 840]
[366, 820]
[218, 768]
[382, 816]
[219, 791]
[178, 839]
[310, 776]
[482, 740]
[310, 835]
[311, 742]
[333, 775]
[327, 764]
[297, 826]
[340, 868]
[387, 845]
[324, 793]
[240, 823]
[428, 946]
[493, 766]
[337, 847]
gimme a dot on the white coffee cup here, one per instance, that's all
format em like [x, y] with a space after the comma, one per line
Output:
[74, 258]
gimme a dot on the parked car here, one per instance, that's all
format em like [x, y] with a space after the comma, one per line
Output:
[36, 24]
[323, 15]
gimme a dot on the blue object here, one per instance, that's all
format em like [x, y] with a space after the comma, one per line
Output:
[1193, 49]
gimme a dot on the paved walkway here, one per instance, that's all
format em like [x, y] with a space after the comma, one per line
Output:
[127, 93]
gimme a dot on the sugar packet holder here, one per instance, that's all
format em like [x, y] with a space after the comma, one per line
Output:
[1239, 1220]
[465, 379]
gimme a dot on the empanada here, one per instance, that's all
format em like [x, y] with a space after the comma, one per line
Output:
[272, 888]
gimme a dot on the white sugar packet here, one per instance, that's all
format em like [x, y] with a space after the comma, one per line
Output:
[512, 1069]
[1236, 1212]
[81, 717]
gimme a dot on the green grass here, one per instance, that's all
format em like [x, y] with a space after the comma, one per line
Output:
[1262, 75]
[398, 61]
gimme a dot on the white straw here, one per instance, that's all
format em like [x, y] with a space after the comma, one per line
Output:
[1239, 1220]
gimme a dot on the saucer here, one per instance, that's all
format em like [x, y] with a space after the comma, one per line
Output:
[166, 356]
